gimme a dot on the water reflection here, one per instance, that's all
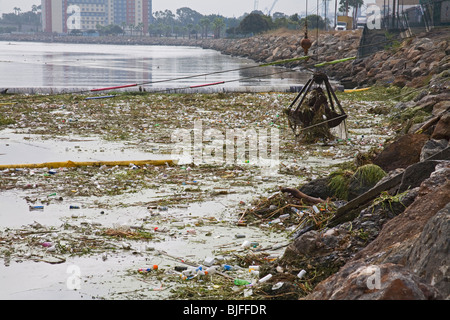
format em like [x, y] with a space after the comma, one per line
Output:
[93, 66]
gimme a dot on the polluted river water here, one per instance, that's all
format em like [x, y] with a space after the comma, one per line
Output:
[83, 233]
[73, 67]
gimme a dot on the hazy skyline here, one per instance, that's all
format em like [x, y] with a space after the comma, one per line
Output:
[230, 8]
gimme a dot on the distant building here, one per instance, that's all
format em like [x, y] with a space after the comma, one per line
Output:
[63, 16]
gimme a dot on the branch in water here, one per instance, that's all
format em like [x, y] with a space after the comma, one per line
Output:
[300, 195]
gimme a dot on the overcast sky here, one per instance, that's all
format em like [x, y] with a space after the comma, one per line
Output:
[227, 8]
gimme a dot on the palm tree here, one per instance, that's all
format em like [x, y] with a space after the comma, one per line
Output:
[19, 22]
[35, 10]
[131, 27]
[166, 30]
[204, 23]
[141, 27]
[176, 30]
[190, 26]
[207, 25]
[218, 24]
[197, 29]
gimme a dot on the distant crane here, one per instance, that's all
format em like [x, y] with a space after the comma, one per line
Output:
[255, 7]
[271, 8]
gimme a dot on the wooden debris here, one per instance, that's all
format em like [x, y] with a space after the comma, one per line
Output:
[300, 195]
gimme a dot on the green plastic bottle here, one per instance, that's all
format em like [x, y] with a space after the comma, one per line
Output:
[240, 282]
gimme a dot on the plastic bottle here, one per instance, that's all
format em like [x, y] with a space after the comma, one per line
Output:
[254, 273]
[246, 244]
[36, 207]
[180, 268]
[301, 274]
[199, 268]
[277, 220]
[240, 282]
[253, 268]
[154, 267]
[264, 279]
[189, 272]
[284, 216]
[210, 270]
[227, 267]
[201, 273]
[277, 286]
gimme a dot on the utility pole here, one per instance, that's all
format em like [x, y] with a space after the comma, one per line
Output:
[393, 13]
[335, 13]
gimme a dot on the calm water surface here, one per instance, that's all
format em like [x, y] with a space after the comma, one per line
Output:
[53, 65]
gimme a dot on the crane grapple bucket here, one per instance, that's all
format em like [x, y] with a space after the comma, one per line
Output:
[315, 111]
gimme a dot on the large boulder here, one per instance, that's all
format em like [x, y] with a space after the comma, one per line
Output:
[361, 281]
[401, 153]
[429, 256]
[432, 147]
[409, 257]
[399, 233]
[317, 188]
[442, 130]
[415, 174]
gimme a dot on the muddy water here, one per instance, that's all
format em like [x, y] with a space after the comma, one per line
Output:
[55, 65]
[192, 232]
[112, 274]
[23, 148]
[200, 224]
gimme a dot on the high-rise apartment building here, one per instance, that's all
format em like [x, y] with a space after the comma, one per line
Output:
[62, 16]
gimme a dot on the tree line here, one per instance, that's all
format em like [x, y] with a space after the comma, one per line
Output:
[186, 22]
[190, 23]
[14, 21]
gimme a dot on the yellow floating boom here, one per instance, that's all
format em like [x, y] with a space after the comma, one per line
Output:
[71, 164]
[356, 90]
